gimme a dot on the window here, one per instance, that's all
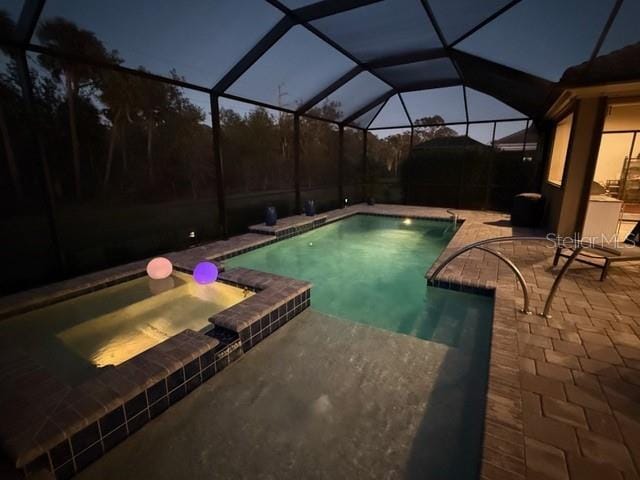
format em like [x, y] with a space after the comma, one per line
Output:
[616, 179]
[622, 117]
[559, 150]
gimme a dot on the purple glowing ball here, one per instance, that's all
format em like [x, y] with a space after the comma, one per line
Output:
[205, 273]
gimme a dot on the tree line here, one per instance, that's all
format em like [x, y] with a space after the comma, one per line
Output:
[112, 136]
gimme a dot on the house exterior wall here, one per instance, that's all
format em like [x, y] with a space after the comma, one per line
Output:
[567, 204]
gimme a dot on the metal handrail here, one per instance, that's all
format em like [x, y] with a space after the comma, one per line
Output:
[556, 283]
[473, 245]
[577, 248]
[518, 274]
[455, 218]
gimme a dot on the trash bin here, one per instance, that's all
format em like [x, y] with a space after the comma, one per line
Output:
[527, 210]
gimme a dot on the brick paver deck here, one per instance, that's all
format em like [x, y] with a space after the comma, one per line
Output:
[563, 400]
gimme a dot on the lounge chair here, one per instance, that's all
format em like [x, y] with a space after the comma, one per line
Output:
[601, 256]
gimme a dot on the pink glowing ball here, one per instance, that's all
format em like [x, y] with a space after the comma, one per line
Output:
[159, 268]
[205, 273]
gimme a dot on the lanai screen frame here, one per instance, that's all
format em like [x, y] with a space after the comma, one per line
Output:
[29, 17]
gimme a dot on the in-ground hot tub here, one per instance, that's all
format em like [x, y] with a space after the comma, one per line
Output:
[76, 337]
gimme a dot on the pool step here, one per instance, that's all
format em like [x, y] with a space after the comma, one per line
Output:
[290, 226]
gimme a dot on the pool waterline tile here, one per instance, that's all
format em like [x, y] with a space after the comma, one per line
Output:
[389, 250]
[184, 260]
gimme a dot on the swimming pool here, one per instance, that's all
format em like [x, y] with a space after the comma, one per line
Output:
[76, 337]
[370, 269]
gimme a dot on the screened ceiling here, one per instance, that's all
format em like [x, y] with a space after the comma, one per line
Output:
[363, 63]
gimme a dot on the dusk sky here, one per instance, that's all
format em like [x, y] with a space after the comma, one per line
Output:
[204, 39]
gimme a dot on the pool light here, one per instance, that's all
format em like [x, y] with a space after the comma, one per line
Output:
[205, 273]
[159, 268]
[407, 221]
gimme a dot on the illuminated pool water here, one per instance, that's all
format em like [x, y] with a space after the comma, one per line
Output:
[107, 327]
[370, 269]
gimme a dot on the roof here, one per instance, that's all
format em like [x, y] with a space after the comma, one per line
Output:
[619, 65]
[463, 60]
[519, 137]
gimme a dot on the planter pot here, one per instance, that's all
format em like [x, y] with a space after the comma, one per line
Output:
[309, 208]
[270, 216]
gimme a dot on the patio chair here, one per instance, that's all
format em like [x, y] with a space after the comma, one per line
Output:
[601, 256]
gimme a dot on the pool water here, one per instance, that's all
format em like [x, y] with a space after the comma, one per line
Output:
[324, 398]
[76, 337]
[370, 269]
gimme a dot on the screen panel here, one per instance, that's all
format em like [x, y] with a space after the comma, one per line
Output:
[536, 37]
[392, 115]
[453, 24]
[293, 4]
[318, 153]
[353, 164]
[381, 29]
[28, 255]
[160, 36]
[438, 105]
[482, 132]
[351, 97]
[403, 76]
[485, 107]
[387, 152]
[319, 163]
[256, 146]
[131, 163]
[364, 120]
[9, 15]
[624, 30]
[509, 133]
[291, 72]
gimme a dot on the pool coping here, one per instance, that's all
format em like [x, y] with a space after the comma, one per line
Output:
[520, 438]
[230, 334]
[48, 425]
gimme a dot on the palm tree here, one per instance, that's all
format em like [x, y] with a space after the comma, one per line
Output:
[152, 99]
[62, 35]
[8, 92]
[118, 95]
